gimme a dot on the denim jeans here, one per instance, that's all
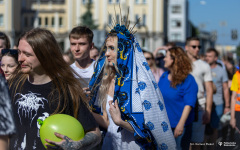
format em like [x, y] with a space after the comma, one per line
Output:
[183, 141]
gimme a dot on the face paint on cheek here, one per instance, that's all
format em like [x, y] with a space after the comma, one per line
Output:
[113, 64]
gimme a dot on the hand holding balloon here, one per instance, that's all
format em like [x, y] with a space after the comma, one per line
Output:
[61, 130]
[65, 143]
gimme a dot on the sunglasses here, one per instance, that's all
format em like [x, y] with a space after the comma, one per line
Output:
[148, 58]
[194, 46]
[11, 51]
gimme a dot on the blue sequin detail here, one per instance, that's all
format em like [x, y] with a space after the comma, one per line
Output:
[155, 84]
[138, 47]
[146, 65]
[142, 85]
[164, 126]
[160, 104]
[147, 105]
[150, 125]
[163, 146]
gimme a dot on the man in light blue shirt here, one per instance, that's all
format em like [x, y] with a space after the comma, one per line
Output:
[220, 80]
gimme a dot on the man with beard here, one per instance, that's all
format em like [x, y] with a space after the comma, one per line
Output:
[46, 85]
[202, 74]
[220, 80]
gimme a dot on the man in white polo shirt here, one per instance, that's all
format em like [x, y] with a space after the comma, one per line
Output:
[202, 74]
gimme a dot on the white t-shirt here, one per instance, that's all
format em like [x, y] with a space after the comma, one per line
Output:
[86, 73]
[202, 73]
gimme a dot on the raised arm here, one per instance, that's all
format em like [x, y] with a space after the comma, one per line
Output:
[116, 116]
[157, 49]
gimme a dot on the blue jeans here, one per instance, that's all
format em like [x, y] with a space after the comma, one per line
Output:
[183, 141]
[216, 115]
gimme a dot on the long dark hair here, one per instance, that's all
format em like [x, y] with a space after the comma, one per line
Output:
[5, 38]
[49, 55]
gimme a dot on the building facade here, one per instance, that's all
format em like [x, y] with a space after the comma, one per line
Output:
[177, 21]
[60, 16]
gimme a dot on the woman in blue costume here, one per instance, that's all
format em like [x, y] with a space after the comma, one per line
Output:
[125, 97]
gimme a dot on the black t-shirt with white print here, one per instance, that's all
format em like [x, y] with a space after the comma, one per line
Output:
[32, 104]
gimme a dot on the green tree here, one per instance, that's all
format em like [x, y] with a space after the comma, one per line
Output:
[194, 30]
[86, 18]
[238, 51]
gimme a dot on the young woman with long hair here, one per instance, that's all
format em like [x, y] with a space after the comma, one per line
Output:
[9, 63]
[179, 90]
[124, 90]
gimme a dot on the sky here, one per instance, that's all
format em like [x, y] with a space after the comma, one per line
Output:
[217, 15]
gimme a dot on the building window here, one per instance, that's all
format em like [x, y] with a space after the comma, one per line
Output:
[109, 19]
[118, 21]
[53, 19]
[143, 42]
[1, 19]
[39, 21]
[110, 1]
[136, 18]
[175, 37]
[60, 21]
[1, 1]
[26, 21]
[137, 1]
[84, 1]
[32, 21]
[61, 45]
[23, 3]
[117, 1]
[176, 9]
[176, 23]
[144, 19]
[144, 1]
[46, 21]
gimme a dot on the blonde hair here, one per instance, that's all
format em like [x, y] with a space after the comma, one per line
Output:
[109, 73]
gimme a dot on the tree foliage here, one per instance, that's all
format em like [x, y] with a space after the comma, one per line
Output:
[194, 30]
[87, 18]
[238, 51]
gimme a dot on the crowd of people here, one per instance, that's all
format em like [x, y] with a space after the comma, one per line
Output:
[125, 98]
